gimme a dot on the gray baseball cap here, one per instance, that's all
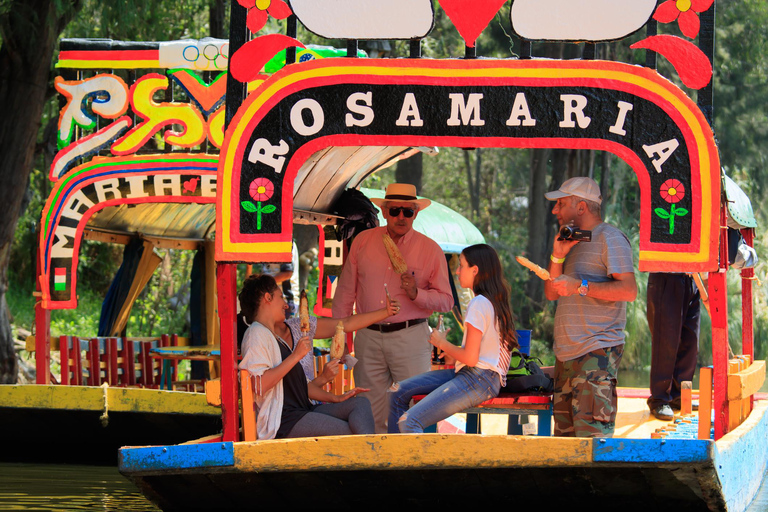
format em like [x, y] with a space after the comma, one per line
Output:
[585, 188]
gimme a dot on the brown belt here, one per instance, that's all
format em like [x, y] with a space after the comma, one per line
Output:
[396, 326]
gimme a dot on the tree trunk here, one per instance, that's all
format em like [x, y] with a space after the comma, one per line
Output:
[473, 183]
[538, 238]
[217, 12]
[29, 31]
[410, 170]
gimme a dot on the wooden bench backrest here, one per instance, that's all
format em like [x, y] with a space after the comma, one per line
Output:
[248, 406]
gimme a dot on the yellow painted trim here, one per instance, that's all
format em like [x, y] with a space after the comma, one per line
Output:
[88, 398]
[679, 102]
[411, 451]
[746, 382]
[693, 257]
[257, 247]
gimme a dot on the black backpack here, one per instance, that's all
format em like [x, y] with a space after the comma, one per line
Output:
[526, 376]
[358, 211]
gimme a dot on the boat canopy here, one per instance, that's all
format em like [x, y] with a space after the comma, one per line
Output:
[740, 214]
[448, 228]
[319, 182]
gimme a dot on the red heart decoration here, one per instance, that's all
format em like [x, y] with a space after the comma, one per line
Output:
[470, 17]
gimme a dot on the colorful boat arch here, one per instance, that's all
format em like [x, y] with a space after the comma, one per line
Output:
[628, 110]
[104, 182]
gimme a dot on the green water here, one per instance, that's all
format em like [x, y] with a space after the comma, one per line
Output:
[45, 487]
[64, 488]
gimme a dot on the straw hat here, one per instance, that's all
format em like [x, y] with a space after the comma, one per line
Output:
[401, 192]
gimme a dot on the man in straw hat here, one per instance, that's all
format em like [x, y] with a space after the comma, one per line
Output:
[393, 351]
[592, 282]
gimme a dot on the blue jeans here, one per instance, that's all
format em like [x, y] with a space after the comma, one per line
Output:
[447, 394]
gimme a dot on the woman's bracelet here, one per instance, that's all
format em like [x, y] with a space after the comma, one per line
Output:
[556, 260]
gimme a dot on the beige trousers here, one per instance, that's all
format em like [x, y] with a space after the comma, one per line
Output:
[385, 358]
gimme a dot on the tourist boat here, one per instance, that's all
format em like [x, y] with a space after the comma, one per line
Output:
[349, 106]
[112, 184]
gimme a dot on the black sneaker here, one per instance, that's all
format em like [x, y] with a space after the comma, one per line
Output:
[663, 412]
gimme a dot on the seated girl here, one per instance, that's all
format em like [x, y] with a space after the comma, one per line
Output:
[482, 360]
[271, 351]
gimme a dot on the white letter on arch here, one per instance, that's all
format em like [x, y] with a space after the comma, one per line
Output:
[77, 201]
[520, 110]
[469, 110]
[409, 109]
[574, 105]
[110, 186]
[62, 236]
[663, 149]
[297, 121]
[618, 127]
[359, 103]
[264, 152]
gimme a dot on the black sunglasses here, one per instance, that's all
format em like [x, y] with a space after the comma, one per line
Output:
[407, 212]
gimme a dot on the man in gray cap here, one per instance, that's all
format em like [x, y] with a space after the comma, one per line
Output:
[592, 282]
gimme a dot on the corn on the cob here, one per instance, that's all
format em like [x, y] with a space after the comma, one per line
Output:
[540, 272]
[304, 312]
[398, 263]
[337, 345]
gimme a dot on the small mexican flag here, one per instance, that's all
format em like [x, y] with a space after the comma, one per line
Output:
[60, 279]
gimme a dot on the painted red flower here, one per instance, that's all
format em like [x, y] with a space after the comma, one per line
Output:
[686, 12]
[672, 191]
[259, 9]
[261, 189]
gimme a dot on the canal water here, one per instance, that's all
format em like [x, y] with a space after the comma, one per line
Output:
[48, 487]
[44, 487]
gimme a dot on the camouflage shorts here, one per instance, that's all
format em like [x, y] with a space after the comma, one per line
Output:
[585, 394]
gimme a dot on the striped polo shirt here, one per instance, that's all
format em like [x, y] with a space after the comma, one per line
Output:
[585, 324]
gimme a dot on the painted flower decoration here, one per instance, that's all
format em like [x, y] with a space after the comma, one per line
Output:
[261, 189]
[686, 12]
[672, 191]
[258, 10]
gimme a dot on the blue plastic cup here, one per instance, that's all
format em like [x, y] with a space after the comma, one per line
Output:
[524, 340]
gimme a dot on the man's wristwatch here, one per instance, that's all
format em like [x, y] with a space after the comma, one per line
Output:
[584, 288]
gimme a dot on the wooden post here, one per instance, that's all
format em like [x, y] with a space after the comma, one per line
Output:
[718, 306]
[42, 336]
[226, 277]
[129, 363]
[110, 350]
[77, 360]
[64, 357]
[705, 402]
[685, 397]
[249, 413]
[747, 316]
[746, 403]
[734, 408]
[94, 366]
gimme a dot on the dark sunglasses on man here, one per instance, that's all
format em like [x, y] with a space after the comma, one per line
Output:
[407, 212]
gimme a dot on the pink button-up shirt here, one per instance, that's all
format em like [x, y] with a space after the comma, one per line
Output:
[368, 268]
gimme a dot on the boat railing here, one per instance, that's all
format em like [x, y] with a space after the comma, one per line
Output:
[122, 362]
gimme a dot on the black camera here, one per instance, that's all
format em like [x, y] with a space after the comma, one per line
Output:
[574, 233]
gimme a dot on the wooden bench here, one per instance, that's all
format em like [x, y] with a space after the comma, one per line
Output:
[513, 405]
